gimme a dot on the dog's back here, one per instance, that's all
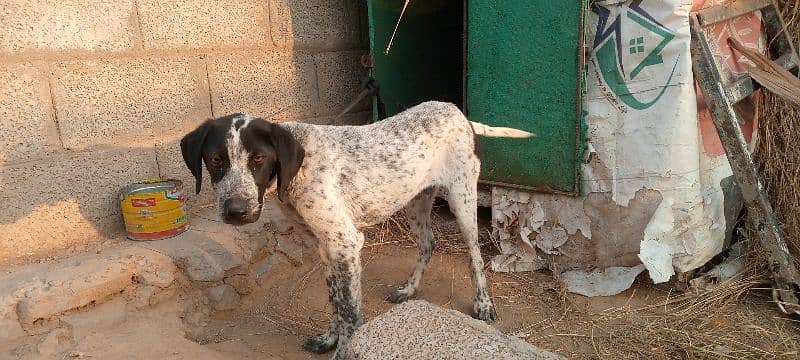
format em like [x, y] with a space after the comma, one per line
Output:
[377, 168]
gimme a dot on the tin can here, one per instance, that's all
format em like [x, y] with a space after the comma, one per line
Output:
[153, 209]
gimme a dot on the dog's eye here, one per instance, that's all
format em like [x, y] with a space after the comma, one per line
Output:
[216, 160]
[258, 159]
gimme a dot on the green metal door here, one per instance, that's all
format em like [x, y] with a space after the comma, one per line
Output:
[522, 65]
[524, 70]
[426, 60]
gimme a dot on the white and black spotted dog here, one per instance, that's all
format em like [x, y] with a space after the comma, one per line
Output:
[342, 178]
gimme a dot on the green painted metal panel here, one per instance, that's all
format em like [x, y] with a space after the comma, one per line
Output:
[425, 61]
[524, 64]
[522, 69]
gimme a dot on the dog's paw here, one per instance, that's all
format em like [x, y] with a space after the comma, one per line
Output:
[319, 344]
[485, 312]
[401, 294]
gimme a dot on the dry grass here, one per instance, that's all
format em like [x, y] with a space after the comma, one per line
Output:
[395, 231]
[778, 150]
[729, 321]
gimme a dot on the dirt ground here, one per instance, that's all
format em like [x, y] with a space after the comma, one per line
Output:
[291, 304]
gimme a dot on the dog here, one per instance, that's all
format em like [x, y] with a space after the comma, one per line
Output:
[343, 178]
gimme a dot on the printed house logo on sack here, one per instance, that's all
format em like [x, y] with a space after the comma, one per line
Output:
[627, 48]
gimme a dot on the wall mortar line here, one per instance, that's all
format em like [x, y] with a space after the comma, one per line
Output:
[53, 106]
[139, 24]
[208, 82]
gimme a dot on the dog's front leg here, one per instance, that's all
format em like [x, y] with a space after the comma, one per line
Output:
[344, 283]
[340, 251]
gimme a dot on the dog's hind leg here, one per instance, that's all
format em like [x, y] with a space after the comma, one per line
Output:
[463, 202]
[418, 212]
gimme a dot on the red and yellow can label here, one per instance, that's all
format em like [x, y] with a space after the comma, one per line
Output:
[154, 214]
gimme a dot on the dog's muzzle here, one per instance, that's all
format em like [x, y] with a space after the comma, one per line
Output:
[237, 211]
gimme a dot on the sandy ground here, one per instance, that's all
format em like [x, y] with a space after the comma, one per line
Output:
[291, 304]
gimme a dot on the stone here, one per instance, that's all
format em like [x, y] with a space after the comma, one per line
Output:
[199, 266]
[200, 256]
[275, 85]
[243, 284]
[223, 297]
[28, 130]
[129, 101]
[98, 282]
[67, 25]
[140, 296]
[162, 295]
[262, 267]
[157, 278]
[289, 246]
[421, 330]
[204, 23]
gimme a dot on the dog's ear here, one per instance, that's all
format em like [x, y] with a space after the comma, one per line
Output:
[290, 157]
[191, 148]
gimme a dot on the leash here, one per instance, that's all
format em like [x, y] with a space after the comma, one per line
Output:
[369, 87]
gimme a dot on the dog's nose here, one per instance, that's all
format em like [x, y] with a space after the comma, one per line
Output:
[235, 209]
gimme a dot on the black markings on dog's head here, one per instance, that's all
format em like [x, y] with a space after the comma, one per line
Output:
[290, 154]
[243, 154]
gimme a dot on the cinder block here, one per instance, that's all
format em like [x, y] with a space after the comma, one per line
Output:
[27, 129]
[201, 256]
[325, 24]
[264, 83]
[67, 25]
[172, 166]
[66, 200]
[129, 101]
[204, 23]
[339, 75]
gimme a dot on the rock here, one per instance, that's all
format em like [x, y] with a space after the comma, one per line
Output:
[161, 279]
[140, 296]
[223, 297]
[288, 245]
[243, 284]
[162, 295]
[201, 257]
[94, 286]
[262, 267]
[420, 330]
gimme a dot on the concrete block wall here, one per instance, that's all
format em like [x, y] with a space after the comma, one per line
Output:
[95, 94]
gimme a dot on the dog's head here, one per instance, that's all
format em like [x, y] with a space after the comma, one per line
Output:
[243, 155]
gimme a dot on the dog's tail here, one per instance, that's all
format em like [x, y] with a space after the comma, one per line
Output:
[491, 131]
